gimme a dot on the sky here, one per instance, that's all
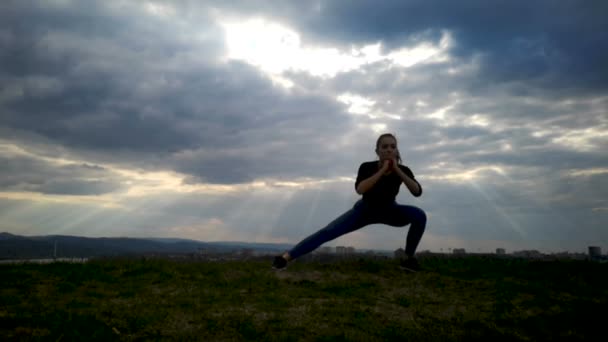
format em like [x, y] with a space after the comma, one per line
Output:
[248, 120]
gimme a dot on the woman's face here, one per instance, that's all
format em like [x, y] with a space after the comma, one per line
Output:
[387, 149]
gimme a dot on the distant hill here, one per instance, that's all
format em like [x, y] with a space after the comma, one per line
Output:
[29, 247]
[9, 236]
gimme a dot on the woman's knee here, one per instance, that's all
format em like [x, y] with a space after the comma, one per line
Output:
[419, 216]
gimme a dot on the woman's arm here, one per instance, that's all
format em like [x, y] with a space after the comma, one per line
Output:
[411, 184]
[368, 183]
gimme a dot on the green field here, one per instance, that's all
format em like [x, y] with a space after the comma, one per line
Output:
[359, 299]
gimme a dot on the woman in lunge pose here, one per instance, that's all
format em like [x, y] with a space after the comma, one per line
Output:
[378, 182]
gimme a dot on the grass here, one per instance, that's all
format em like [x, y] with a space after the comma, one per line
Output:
[471, 298]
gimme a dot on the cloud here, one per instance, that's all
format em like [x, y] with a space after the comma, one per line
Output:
[31, 174]
[161, 118]
[166, 103]
[554, 45]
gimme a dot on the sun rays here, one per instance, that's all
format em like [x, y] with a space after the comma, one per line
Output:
[499, 208]
[275, 48]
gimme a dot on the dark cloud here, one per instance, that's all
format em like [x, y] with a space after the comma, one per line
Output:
[99, 64]
[511, 130]
[112, 84]
[76, 187]
[553, 44]
[121, 93]
[57, 39]
[164, 103]
[22, 173]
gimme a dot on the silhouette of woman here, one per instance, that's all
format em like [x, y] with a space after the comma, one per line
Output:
[378, 182]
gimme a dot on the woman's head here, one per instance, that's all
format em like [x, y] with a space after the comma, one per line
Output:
[386, 147]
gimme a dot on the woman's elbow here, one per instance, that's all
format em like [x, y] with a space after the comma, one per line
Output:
[359, 190]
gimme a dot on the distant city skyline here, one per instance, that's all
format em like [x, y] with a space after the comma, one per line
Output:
[48, 249]
[331, 246]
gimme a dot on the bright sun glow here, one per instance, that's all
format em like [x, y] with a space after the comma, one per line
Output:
[357, 104]
[275, 48]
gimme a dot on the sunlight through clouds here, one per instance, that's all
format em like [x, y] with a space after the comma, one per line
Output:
[256, 213]
[424, 52]
[378, 128]
[452, 174]
[275, 48]
[479, 120]
[247, 120]
[588, 172]
[357, 104]
[272, 212]
[512, 222]
[159, 9]
[440, 115]
[212, 229]
[587, 139]
[106, 200]
[581, 140]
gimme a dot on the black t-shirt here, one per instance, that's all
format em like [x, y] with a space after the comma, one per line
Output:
[386, 189]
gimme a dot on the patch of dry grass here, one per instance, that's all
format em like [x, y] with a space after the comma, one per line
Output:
[355, 300]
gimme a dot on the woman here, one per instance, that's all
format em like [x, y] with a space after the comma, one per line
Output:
[378, 182]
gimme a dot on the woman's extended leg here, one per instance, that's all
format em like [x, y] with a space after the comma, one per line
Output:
[400, 215]
[353, 219]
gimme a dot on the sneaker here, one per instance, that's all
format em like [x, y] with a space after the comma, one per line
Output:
[279, 263]
[410, 265]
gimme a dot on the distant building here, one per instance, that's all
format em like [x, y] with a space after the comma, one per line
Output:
[459, 251]
[399, 253]
[528, 254]
[340, 250]
[595, 252]
[350, 250]
[323, 250]
[568, 255]
[246, 252]
[500, 251]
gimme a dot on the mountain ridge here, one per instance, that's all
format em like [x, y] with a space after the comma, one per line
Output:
[14, 246]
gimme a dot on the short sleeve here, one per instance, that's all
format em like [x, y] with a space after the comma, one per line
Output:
[361, 175]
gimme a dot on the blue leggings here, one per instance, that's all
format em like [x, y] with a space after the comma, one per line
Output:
[361, 215]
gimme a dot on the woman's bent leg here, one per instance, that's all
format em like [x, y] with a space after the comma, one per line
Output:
[351, 220]
[401, 215]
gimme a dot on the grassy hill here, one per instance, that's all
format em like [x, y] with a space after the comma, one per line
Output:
[470, 298]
